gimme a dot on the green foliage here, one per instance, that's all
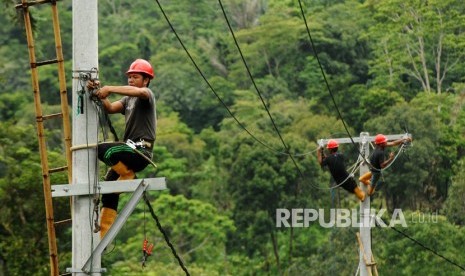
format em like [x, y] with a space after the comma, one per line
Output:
[376, 102]
[417, 46]
[190, 98]
[429, 230]
[196, 229]
[23, 239]
[419, 175]
[10, 105]
[392, 66]
[454, 207]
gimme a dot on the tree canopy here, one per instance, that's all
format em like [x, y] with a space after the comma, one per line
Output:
[237, 134]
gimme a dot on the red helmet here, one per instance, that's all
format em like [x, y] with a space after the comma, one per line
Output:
[332, 144]
[380, 139]
[141, 66]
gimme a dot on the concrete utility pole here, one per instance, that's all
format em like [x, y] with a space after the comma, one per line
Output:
[86, 245]
[365, 216]
[365, 221]
[85, 57]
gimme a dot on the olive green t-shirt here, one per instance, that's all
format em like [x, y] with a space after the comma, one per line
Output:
[140, 117]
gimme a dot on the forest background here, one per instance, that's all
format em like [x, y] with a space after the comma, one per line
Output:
[392, 66]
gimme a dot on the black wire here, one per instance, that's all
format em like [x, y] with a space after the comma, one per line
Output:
[260, 95]
[353, 142]
[165, 236]
[326, 80]
[211, 87]
[427, 248]
[251, 77]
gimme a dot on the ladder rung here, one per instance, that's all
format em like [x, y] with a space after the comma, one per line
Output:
[57, 223]
[32, 3]
[59, 169]
[52, 116]
[45, 62]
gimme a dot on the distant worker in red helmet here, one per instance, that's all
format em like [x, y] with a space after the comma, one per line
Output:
[139, 109]
[378, 162]
[336, 166]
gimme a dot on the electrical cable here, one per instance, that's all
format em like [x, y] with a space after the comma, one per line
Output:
[209, 85]
[425, 247]
[327, 85]
[91, 213]
[326, 80]
[251, 77]
[214, 91]
[344, 124]
[351, 175]
[255, 84]
[165, 235]
[286, 147]
[395, 157]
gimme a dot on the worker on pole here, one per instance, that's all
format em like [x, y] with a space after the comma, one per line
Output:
[125, 159]
[378, 162]
[335, 163]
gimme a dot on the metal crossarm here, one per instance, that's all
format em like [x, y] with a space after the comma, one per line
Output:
[107, 187]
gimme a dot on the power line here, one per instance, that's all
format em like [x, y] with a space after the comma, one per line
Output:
[270, 116]
[250, 75]
[165, 235]
[224, 104]
[260, 95]
[426, 247]
[211, 87]
[324, 77]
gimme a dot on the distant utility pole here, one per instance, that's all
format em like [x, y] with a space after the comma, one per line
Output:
[366, 256]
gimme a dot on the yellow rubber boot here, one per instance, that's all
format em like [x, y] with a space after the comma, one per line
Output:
[107, 217]
[124, 172]
[365, 179]
[359, 193]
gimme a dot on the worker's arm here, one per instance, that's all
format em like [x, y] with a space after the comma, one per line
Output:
[388, 161]
[116, 107]
[126, 90]
[112, 107]
[398, 142]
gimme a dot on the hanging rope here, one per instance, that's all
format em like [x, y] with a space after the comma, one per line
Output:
[165, 236]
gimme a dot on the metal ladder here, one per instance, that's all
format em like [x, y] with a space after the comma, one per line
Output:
[40, 118]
